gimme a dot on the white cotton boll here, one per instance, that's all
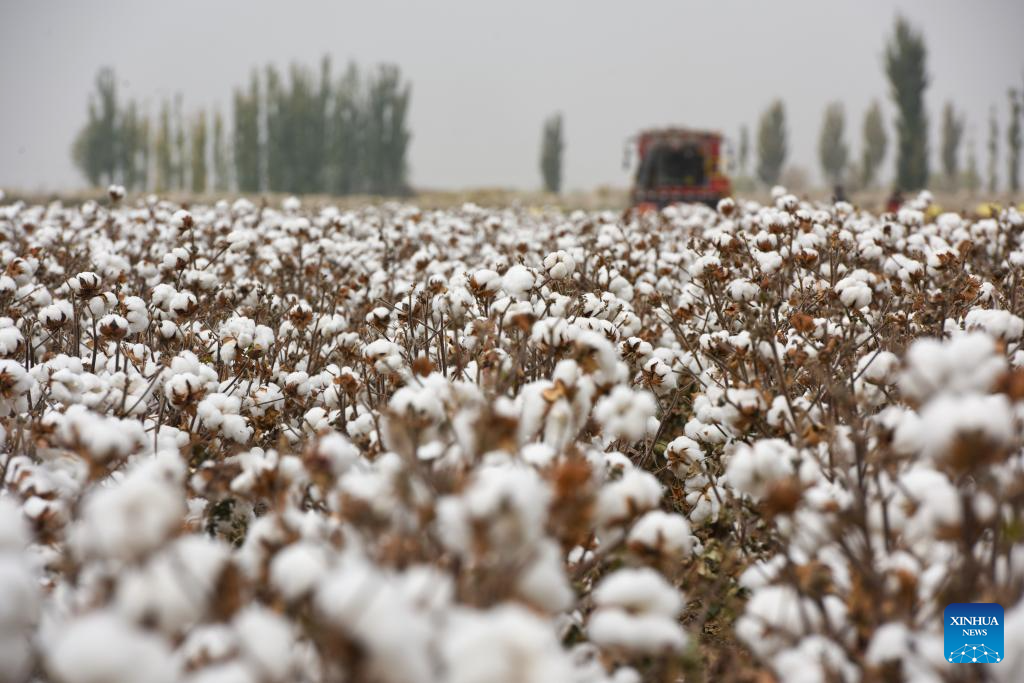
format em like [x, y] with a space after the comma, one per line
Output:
[550, 333]
[518, 281]
[266, 641]
[910, 217]
[705, 433]
[659, 376]
[298, 384]
[102, 648]
[965, 364]
[101, 304]
[297, 569]
[642, 350]
[559, 265]
[56, 314]
[505, 644]
[906, 269]
[743, 289]
[753, 470]
[183, 304]
[181, 219]
[697, 269]
[379, 316]
[22, 270]
[662, 532]
[337, 451]
[15, 385]
[231, 672]
[168, 330]
[264, 398]
[485, 282]
[623, 414]
[366, 604]
[509, 502]
[985, 418]
[316, 420]
[890, 642]
[768, 261]
[19, 602]
[11, 340]
[184, 388]
[208, 642]
[634, 493]
[543, 583]
[999, 324]
[176, 259]
[815, 660]
[14, 530]
[85, 282]
[212, 408]
[620, 287]
[741, 405]
[927, 503]
[419, 403]
[100, 437]
[558, 420]
[640, 591]
[236, 428]
[136, 314]
[682, 453]
[876, 370]
[636, 611]
[164, 591]
[776, 615]
[641, 633]
[878, 367]
[853, 292]
[599, 356]
[538, 454]
[625, 674]
[219, 413]
[130, 518]
[385, 356]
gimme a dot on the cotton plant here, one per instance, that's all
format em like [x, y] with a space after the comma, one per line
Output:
[308, 443]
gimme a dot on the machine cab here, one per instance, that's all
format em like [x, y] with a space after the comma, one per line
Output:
[679, 165]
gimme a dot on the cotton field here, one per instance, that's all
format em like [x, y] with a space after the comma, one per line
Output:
[261, 444]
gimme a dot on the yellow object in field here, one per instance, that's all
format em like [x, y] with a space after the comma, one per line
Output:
[987, 210]
[932, 211]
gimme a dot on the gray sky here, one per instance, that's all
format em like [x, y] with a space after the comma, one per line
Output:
[485, 74]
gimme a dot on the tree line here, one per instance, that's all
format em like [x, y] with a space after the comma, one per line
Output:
[301, 132]
[905, 68]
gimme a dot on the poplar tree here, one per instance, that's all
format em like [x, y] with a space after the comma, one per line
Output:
[247, 150]
[221, 166]
[832, 149]
[952, 135]
[905, 59]
[164, 160]
[875, 143]
[198, 140]
[1013, 139]
[993, 151]
[551, 150]
[771, 143]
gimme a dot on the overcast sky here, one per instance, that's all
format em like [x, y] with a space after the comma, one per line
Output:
[485, 74]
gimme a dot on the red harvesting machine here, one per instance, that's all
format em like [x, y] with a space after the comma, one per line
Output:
[678, 165]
